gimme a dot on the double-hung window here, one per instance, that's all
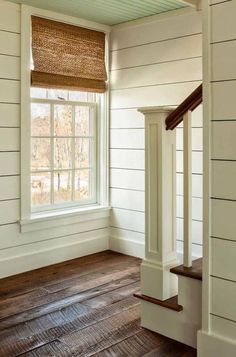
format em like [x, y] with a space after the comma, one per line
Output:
[63, 148]
[64, 116]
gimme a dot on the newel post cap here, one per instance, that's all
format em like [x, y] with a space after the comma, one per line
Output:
[156, 110]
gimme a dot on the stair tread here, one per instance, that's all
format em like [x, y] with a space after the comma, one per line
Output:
[194, 272]
[171, 303]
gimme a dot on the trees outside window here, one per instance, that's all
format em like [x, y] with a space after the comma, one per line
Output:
[63, 148]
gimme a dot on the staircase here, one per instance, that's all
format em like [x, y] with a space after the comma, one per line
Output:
[171, 298]
[178, 317]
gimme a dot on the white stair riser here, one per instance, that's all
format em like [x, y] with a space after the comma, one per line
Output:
[181, 326]
[190, 297]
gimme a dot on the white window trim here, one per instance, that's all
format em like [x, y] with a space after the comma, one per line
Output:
[69, 216]
[34, 221]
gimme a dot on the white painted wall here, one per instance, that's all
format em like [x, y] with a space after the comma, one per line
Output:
[219, 337]
[157, 63]
[154, 62]
[21, 252]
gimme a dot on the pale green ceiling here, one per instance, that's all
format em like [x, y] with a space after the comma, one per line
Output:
[109, 12]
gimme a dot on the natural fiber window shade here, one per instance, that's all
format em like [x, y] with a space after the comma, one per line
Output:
[67, 56]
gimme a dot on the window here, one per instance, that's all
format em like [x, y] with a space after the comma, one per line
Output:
[63, 148]
[64, 114]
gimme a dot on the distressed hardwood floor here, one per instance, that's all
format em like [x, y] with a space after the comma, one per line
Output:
[82, 307]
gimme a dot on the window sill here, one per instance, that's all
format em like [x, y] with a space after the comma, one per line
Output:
[45, 220]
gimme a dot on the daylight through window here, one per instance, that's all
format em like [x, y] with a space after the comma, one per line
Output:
[63, 148]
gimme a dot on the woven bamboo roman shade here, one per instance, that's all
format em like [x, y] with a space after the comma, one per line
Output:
[67, 56]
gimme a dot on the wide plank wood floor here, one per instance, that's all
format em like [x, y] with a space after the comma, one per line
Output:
[82, 307]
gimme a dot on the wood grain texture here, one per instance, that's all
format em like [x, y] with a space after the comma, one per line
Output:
[80, 307]
[190, 103]
[194, 272]
[171, 303]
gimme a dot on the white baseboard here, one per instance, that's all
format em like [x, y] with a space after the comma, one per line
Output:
[215, 346]
[127, 246]
[37, 255]
[35, 259]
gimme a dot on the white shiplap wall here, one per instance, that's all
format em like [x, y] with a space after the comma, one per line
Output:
[223, 155]
[21, 252]
[153, 63]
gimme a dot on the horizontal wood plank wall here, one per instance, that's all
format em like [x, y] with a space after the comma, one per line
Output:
[223, 204]
[21, 252]
[155, 63]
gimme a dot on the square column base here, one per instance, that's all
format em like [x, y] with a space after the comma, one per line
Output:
[157, 281]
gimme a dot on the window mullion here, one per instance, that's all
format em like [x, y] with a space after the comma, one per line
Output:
[62, 102]
[58, 170]
[52, 152]
[62, 137]
[93, 150]
[73, 153]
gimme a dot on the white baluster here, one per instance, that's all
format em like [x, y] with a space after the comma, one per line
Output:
[187, 122]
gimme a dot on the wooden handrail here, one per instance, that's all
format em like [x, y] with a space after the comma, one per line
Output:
[190, 103]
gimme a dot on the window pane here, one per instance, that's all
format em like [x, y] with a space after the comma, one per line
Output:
[40, 188]
[57, 94]
[62, 186]
[40, 154]
[62, 153]
[82, 184]
[78, 96]
[40, 119]
[38, 93]
[63, 120]
[82, 122]
[82, 153]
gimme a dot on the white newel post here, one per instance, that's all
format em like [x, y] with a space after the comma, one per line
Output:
[160, 206]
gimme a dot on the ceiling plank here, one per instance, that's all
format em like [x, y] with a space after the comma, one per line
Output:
[193, 3]
[108, 12]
